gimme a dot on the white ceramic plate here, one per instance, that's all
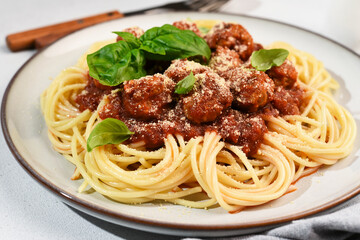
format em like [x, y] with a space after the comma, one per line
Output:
[25, 132]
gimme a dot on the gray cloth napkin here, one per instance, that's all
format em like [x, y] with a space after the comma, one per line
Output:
[342, 223]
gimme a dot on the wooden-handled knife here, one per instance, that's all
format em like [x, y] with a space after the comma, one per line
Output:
[44, 36]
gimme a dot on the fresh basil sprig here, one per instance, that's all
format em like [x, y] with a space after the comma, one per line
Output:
[169, 42]
[264, 59]
[108, 131]
[125, 59]
[185, 85]
[129, 38]
[116, 63]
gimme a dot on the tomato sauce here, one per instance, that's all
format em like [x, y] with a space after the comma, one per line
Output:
[229, 96]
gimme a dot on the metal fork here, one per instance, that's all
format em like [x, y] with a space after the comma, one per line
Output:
[189, 5]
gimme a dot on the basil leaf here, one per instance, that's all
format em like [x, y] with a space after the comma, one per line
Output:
[185, 85]
[130, 67]
[108, 131]
[116, 63]
[153, 47]
[125, 59]
[129, 38]
[155, 32]
[264, 59]
[168, 43]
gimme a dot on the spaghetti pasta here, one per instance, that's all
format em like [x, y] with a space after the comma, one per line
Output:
[204, 171]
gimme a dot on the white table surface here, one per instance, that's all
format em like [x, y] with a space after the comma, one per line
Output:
[27, 210]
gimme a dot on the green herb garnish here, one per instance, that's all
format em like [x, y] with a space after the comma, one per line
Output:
[116, 63]
[108, 131]
[185, 85]
[169, 42]
[125, 59]
[264, 59]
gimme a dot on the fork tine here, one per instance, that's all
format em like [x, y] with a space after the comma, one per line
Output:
[206, 5]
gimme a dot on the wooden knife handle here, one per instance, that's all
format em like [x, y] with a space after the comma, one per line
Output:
[46, 40]
[41, 37]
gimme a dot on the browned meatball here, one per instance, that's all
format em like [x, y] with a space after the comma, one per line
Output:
[223, 60]
[241, 129]
[233, 36]
[187, 25]
[283, 75]
[179, 69]
[209, 97]
[288, 101]
[251, 89]
[146, 98]
[136, 31]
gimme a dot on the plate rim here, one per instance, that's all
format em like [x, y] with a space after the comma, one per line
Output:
[93, 208]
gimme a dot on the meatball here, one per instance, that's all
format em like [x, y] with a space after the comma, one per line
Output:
[233, 36]
[288, 101]
[283, 75]
[146, 98]
[187, 25]
[224, 59]
[136, 31]
[207, 100]
[251, 89]
[241, 129]
[179, 69]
